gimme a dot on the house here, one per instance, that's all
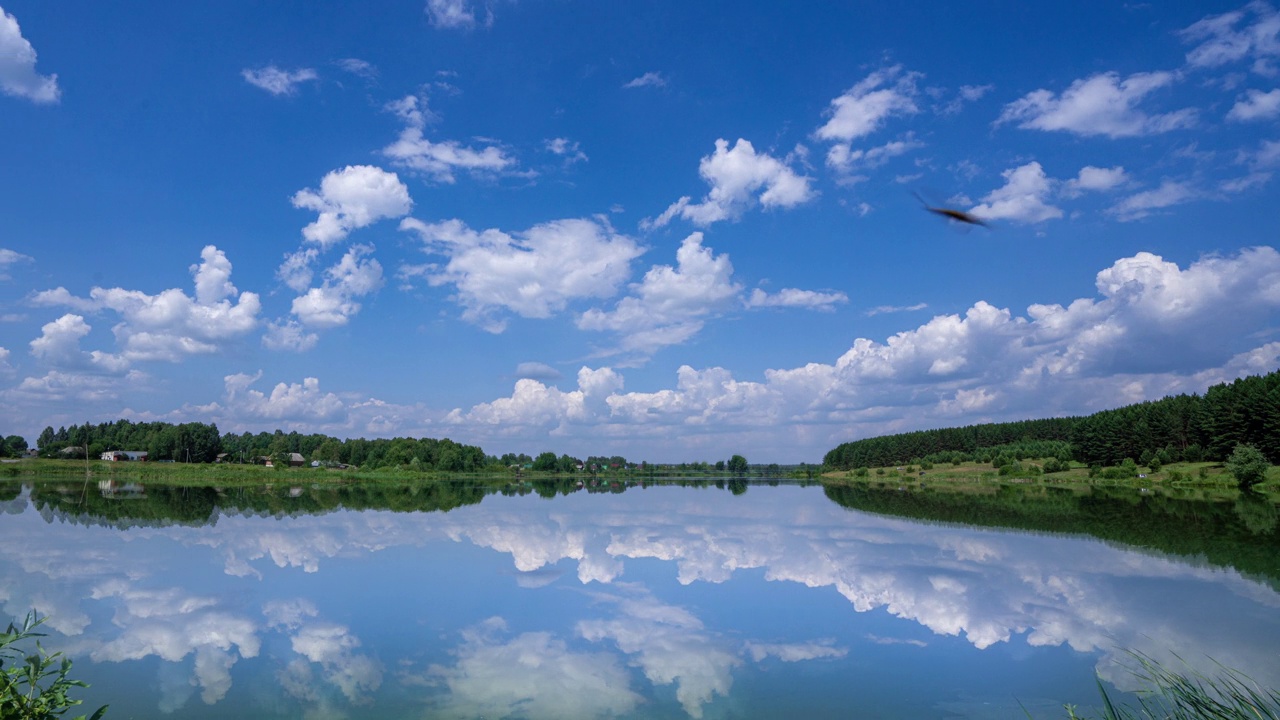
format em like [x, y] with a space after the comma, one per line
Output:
[125, 455]
[222, 457]
[296, 460]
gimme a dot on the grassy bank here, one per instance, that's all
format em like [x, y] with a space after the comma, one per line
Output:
[1202, 478]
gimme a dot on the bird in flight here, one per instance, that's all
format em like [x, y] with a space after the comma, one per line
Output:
[953, 214]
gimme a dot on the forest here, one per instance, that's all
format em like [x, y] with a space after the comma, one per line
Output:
[1177, 428]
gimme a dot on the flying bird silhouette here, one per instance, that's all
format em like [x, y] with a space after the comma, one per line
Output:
[953, 214]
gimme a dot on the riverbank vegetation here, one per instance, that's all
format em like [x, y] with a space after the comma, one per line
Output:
[1232, 430]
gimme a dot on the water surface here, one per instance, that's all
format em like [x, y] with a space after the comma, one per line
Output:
[659, 602]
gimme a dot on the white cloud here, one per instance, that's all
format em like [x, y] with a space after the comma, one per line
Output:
[567, 149]
[291, 401]
[1095, 179]
[795, 652]
[171, 325]
[1268, 154]
[60, 385]
[1022, 198]
[333, 303]
[1222, 40]
[792, 297]
[1256, 105]
[533, 274]
[1248, 182]
[670, 305]
[59, 345]
[538, 371]
[277, 81]
[454, 14]
[649, 79]
[671, 646]
[439, 160]
[882, 309]
[1154, 329]
[356, 66]
[736, 176]
[866, 106]
[1140, 205]
[18, 76]
[1100, 105]
[351, 198]
[532, 675]
[5, 367]
[843, 158]
[288, 335]
[10, 257]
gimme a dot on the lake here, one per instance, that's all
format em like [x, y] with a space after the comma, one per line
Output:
[666, 601]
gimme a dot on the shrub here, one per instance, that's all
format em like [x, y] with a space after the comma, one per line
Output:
[1248, 466]
[34, 685]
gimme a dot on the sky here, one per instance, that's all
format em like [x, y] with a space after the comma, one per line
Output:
[671, 231]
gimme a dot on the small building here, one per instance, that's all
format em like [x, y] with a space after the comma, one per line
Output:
[222, 457]
[296, 460]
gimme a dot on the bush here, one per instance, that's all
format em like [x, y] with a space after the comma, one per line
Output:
[24, 694]
[1248, 466]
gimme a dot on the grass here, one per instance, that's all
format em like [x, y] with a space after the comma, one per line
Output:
[1175, 475]
[1170, 695]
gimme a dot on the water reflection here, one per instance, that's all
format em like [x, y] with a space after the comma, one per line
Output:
[658, 602]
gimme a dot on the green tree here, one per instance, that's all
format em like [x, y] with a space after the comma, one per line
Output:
[545, 462]
[737, 465]
[1248, 466]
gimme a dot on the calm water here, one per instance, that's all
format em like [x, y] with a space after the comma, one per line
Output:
[658, 602]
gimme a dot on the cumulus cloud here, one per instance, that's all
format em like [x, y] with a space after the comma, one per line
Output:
[649, 79]
[1023, 198]
[277, 81]
[671, 304]
[287, 401]
[73, 385]
[438, 161]
[59, 345]
[288, 335]
[10, 257]
[1103, 104]
[736, 176]
[533, 274]
[333, 303]
[1140, 205]
[1095, 179]
[1153, 329]
[18, 76]
[671, 646]
[1256, 105]
[172, 325]
[1252, 32]
[533, 675]
[866, 106]
[351, 198]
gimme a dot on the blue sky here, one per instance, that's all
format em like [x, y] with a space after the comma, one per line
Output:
[671, 231]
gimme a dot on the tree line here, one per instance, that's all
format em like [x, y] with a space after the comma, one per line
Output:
[197, 442]
[1178, 428]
